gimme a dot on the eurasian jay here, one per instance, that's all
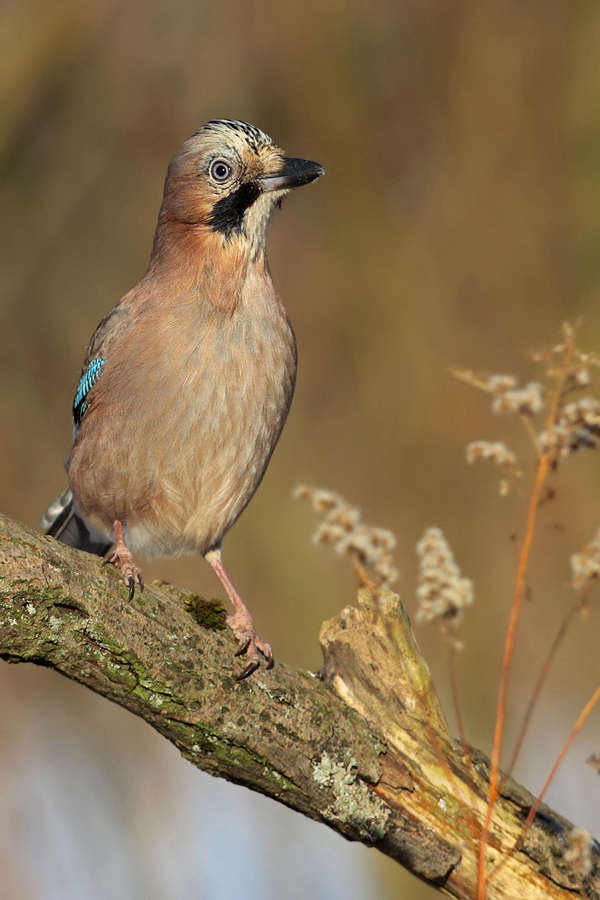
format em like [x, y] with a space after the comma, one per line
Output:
[188, 381]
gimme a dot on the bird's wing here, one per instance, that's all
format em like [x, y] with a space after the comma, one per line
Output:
[117, 321]
[61, 519]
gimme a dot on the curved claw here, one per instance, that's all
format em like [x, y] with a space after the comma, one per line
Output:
[243, 646]
[253, 646]
[266, 652]
[122, 558]
[252, 666]
[132, 579]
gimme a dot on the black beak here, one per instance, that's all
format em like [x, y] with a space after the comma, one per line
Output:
[295, 173]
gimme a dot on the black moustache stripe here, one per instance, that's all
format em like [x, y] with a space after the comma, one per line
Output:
[228, 213]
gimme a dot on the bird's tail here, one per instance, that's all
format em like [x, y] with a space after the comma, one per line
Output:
[65, 524]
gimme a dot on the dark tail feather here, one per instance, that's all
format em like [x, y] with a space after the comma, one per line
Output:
[62, 522]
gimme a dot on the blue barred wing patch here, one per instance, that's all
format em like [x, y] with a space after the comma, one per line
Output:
[88, 380]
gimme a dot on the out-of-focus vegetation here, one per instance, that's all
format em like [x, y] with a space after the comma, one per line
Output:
[458, 224]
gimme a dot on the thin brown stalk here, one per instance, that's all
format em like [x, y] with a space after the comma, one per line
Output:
[542, 472]
[574, 732]
[363, 575]
[543, 468]
[538, 689]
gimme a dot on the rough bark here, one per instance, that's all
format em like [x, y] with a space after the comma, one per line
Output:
[363, 748]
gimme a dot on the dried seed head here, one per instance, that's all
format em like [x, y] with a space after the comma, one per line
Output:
[585, 567]
[508, 396]
[582, 377]
[527, 401]
[442, 594]
[328, 533]
[344, 530]
[495, 451]
[577, 427]
[567, 369]
[500, 384]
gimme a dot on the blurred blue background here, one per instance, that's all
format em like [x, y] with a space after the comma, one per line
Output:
[458, 224]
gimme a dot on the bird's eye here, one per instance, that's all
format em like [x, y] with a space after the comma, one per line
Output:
[220, 170]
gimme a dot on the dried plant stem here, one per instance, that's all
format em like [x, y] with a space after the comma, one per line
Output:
[542, 473]
[538, 687]
[543, 468]
[574, 732]
[363, 575]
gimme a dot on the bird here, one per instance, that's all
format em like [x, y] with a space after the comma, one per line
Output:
[187, 382]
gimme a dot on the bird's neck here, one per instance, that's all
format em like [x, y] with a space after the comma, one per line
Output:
[194, 259]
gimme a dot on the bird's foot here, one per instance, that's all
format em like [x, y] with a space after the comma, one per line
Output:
[122, 558]
[240, 621]
[250, 644]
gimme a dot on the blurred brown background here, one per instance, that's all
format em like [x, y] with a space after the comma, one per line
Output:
[458, 224]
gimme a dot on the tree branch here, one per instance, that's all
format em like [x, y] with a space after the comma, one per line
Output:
[363, 748]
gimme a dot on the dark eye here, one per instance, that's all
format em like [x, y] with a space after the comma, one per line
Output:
[220, 170]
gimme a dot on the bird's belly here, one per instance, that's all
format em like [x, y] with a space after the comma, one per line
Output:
[196, 502]
[180, 468]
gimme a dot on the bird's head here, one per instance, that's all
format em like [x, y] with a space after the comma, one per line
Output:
[227, 179]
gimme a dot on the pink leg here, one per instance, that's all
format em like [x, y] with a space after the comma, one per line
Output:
[122, 558]
[241, 621]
